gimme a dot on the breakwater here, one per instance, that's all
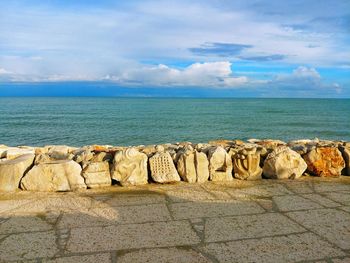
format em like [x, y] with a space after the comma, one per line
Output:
[65, 168]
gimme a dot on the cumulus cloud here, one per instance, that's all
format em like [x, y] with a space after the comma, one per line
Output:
[201, 75]
[303, 82]
[305, 72]
[209, 74]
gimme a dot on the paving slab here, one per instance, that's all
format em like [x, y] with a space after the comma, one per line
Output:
[239, 221]
[25, 246]
[169, 255]
[24, 224]
[213, 209]
[290, 248]
[294, 202]
[100, 258]
[161, 234]
[299, 187]
[6, 206]
[340, 197]
[135, 199]
[249, 226]
[261, 190]
[189, 195]
[104, 216]
[322, 200]
[331, 224]
[54, 202]
[345, 208]
[341, 260]
[331, 186]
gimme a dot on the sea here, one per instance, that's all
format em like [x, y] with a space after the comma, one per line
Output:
[79, 121]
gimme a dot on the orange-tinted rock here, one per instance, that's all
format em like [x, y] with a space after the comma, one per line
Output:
[325, 161]
[99, 148]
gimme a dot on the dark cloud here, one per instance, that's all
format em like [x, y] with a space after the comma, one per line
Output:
[219, 49]
[274, 57]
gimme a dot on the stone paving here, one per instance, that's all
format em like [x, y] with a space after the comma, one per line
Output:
[305, 220]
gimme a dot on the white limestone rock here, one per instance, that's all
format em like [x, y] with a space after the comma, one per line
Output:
[284, 163]
[163, 169]
[186, 167]
[202, 166]
[130, 167]
[63, 175]
[193, 166]
[220, 164]
[13, 152]
[246, 160]
[97, 174]
[83, 155]
[12, 171]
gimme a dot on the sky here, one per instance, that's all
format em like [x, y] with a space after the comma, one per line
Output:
[241, 48]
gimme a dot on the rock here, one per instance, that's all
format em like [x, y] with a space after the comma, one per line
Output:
[222, 143]
[201, 146]
[160, 148]
[101, 148]
[284, 163]
[102, 157]
[301, 149]
[183, 144]
[186, 167]
[327, 143]
[202, 166]
[246, 162]
[42, 158]
[130, 167]
[12, 171]
[52, 156]
[302, 141]
[268, 143]
[3, 149]
[59, 149]
[13, 152]
[346, 156]
[220, 164]
[325, 161]
[97, 175]
[63, 175]
[163, 169]
[149, 150]
[83, 155]
[193, 166]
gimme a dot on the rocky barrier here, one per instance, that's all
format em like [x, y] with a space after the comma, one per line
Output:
[64, 168]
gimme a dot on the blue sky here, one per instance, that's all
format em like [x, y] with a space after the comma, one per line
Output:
[259, 48]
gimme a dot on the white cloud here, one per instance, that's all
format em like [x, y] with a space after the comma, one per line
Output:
[4, 71]
[206, 75]
[301, 73]
[304, 82]
[98, 41]
[305, 72]
[209, 74]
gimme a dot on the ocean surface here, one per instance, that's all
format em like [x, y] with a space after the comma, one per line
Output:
[135, 121]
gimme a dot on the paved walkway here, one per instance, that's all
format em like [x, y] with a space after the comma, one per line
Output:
[266, 221]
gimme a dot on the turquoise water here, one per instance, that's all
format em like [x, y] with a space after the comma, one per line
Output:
[125, 121]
